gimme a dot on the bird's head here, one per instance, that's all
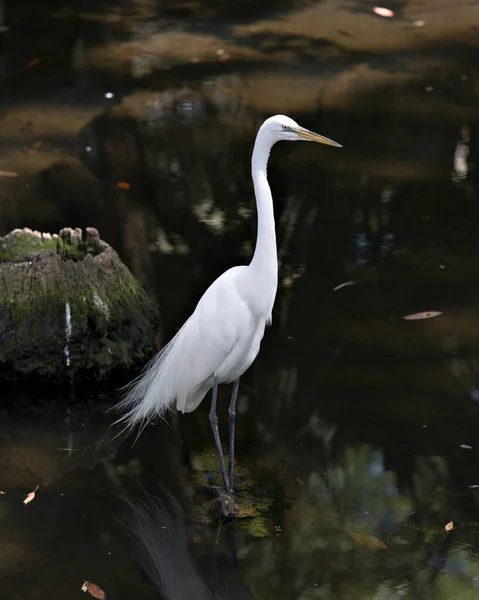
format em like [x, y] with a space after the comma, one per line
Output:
[281, 127]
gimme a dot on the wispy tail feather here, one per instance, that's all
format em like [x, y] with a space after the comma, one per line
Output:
[153, 391]
[180, 372]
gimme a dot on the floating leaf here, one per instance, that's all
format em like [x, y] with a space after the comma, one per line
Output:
[422, 315]
[33, 63]
[342, 285]
[30, 496]
[123, 185]
[93, 590]
[367, 540]
[2, 493]
[383, 12]
[449, 526]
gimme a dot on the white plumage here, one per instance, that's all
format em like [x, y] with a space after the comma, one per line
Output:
[222, 337]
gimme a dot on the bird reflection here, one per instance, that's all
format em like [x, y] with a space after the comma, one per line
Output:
[461, 153]
[157, 529]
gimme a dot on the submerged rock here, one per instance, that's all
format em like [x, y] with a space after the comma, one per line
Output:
[251, 507]
[68, 305]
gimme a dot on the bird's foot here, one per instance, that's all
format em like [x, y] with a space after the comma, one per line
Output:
[233, 492]
[226, 504]
[233, 505]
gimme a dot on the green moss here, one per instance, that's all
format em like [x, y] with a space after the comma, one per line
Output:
[23, 245]
[258, 527]
[113, 319]
[253, 514]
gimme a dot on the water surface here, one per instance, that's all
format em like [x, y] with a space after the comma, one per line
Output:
[360, 426]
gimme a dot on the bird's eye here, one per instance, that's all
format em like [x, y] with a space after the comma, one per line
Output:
[284, 127]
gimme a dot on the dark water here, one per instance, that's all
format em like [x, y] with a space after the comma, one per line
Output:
[360, 426]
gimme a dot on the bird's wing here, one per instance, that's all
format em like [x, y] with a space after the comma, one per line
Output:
[189, 361]
[209, 335]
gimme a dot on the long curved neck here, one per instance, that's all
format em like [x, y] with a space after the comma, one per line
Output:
[265, 259]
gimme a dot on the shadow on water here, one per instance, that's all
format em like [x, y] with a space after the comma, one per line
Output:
[360, 427]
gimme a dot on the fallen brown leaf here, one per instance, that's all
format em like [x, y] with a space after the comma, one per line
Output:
[30, 496]
[33, 63]
[123, 185]
[9, 174]
[422, 315]
[93, 590]
[367, 540]
[449, 526]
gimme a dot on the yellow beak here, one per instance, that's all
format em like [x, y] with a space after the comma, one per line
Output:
[310, 136]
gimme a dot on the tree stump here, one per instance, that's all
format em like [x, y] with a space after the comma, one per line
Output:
[69, 305]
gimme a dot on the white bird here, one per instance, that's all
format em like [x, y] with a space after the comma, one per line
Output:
[222, 337]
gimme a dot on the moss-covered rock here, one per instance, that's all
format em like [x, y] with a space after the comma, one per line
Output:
[252, 511]
[69, 305]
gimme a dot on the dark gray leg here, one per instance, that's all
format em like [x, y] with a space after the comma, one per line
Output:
[232, 422]
[216, 434]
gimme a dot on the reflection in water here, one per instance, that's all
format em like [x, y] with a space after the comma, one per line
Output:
[372, 221]
[352, 527]
[354, 532]
[70, 438]
[461, 154]
[158, 531]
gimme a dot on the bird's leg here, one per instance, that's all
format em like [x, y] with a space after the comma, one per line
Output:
[216, 434]
[232, 422]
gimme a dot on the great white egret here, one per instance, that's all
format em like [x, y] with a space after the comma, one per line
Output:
[222, 337]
